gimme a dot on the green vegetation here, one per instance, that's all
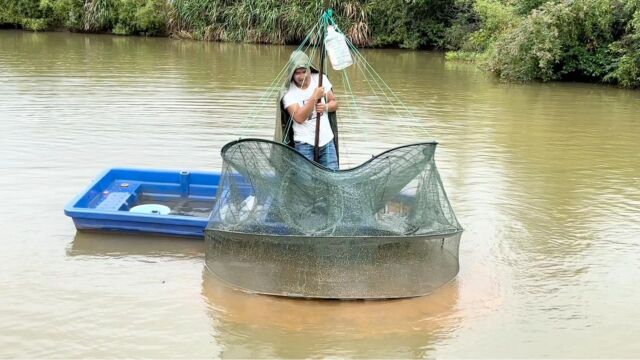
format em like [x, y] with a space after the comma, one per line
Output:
[585, 40]
[123, 17]
[519, 40]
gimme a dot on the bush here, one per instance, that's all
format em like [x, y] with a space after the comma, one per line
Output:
[496, 19]
[625, 70]
[524, 7]
[387, 22]
[414, 24]
[27, 14]
[578, 39]
[466, 21]
[69, 13]
[146, 17]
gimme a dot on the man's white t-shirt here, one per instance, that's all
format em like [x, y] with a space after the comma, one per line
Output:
[306, 132]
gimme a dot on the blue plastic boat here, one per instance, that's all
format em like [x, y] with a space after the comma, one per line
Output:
[165, 202]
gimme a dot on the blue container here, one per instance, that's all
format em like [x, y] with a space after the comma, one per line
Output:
[105, 204]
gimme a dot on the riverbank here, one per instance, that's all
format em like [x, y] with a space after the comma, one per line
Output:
[584, 40]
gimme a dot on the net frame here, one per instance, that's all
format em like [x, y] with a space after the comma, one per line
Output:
[401, 241]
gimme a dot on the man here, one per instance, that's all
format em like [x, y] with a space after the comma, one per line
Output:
[301, 103]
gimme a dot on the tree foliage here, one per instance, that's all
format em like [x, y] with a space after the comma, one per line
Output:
[590, 40]
[519, 40]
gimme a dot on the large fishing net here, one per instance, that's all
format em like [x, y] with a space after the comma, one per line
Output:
[287, 226]
[284, 225]
[269, 188]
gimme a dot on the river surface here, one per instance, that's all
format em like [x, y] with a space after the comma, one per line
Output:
[545, 178]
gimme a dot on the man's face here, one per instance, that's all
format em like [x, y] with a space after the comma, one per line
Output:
[300, 75]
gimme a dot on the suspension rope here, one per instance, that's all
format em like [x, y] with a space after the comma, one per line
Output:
[369, 77]
[386, 99]
[273, 87]
[376, 77]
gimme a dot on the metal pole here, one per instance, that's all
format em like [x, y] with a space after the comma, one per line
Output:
[316, 147]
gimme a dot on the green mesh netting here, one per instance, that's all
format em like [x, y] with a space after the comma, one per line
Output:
[284, 225]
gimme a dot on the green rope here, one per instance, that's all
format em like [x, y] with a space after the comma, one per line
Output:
[268, 94]
[370, 76]
[379, 88]
[375, 75]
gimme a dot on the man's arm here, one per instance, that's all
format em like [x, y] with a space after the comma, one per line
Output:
[301, 113]
[332, 103]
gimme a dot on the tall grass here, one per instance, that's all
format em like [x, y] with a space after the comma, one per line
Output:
[266, 21]
[406, 23]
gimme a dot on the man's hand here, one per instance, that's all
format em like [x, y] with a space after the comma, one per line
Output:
[321, 107]
[318, 93]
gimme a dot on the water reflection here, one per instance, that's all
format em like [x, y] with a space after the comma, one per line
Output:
[130, 296]
[97, 244]
[289, 328]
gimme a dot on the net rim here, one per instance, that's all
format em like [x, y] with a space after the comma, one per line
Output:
[228, 145]
[358, 237]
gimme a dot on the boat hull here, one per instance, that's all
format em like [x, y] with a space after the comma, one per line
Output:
[106, 204]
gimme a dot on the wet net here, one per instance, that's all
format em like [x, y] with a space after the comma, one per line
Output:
[284, 225]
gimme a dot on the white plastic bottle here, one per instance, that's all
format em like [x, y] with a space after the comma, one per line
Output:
[337, 49]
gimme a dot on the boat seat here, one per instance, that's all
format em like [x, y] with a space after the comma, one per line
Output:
[113, 201]
[117, 195]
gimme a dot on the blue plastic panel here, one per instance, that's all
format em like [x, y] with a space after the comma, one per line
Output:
[105, 204]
